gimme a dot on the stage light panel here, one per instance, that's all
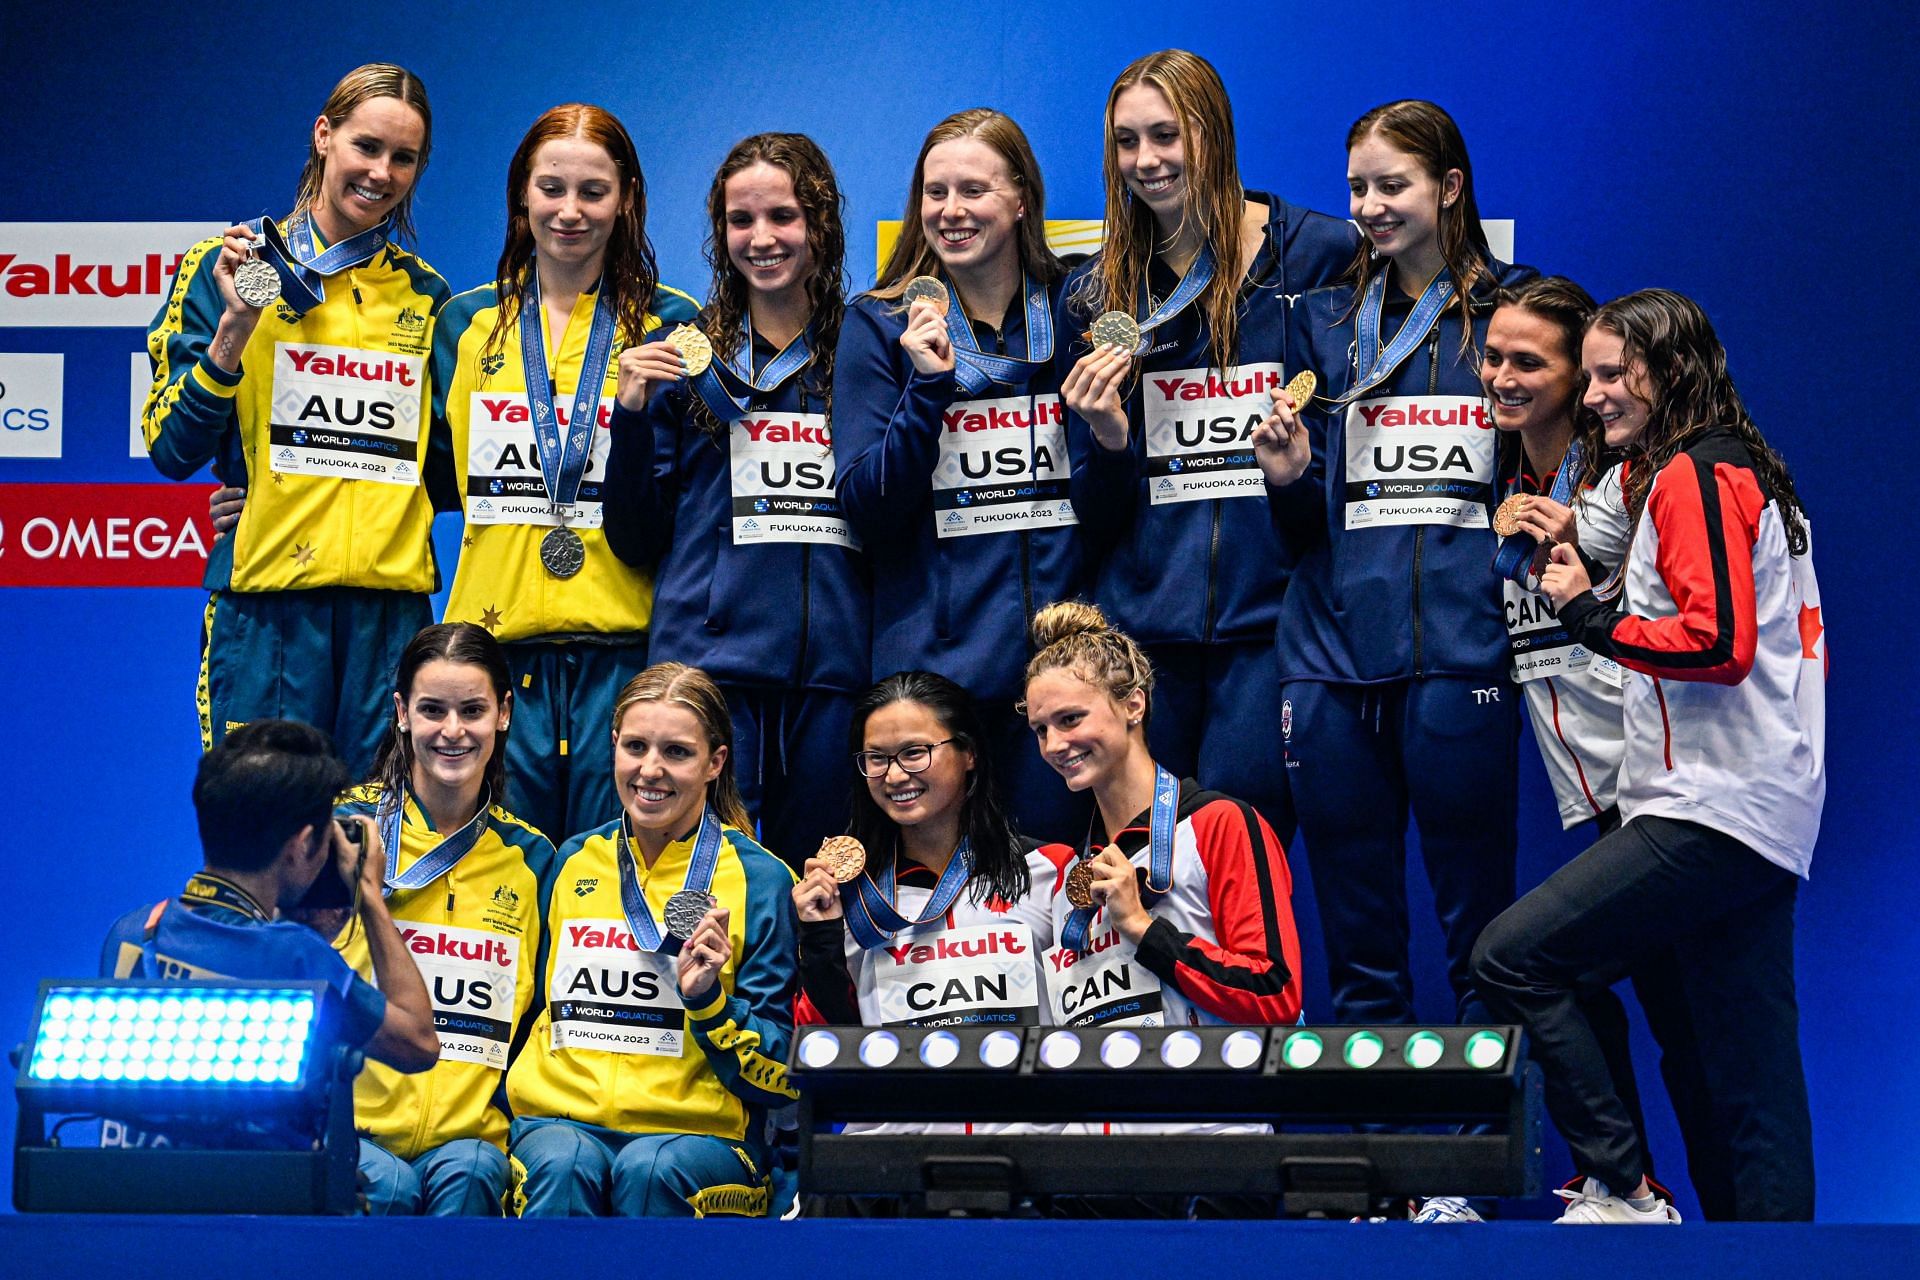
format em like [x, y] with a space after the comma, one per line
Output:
[1060, 1050]
[1000, 1050]
[1423, 1049]
[1180, 1050]
[879, 1048]
[1120, 1049]
[1302, 1049]
[940, 1049]
[818, 1049]
[1486, 1050]
[1363, 1049]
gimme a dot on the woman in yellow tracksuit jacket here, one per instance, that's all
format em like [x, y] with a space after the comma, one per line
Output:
[464, 879]
[317, 402]
[576, 286]
[646, 1086]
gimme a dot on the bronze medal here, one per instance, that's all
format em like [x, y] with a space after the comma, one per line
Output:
[1506, 517]
[562, 552]
[928, 289]
[1079, 888]
[845, 857]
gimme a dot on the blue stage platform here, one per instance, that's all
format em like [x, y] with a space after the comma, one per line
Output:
[426, 1249]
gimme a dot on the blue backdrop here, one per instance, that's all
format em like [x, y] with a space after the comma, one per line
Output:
[1740, 158]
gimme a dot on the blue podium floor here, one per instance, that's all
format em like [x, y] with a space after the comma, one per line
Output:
[424, 1249]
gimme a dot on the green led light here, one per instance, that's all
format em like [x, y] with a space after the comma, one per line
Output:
[1302, 1049]
[1423, 1049]
[1363, 1049]
[1486, 1049]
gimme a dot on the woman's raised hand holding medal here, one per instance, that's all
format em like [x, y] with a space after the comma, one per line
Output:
[1280, 443]
[1095, 389]
[642, 368]
[926, 340]
[705, 954]
[1116, 887]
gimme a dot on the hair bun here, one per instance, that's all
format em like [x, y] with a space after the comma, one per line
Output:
[1065, 619]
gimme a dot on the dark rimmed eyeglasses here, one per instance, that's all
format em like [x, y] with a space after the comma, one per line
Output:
[912, 758]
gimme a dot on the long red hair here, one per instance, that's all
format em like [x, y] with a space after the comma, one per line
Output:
[629, 276]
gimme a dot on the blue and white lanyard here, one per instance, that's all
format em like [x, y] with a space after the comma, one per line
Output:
[564, 465]
[1160, 824]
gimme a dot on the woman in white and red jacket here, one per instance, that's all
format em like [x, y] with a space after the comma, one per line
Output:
[1720, 791]
[1207, 935]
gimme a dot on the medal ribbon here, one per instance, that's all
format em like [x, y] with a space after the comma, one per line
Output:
[871, 916]
[647, 933]
[728, 388]
[1160, 824]
[303, 266]
[435, 862]
[1199, 275]
[564, 466]
[1514, 557]
[1373, 365]
[973, 368]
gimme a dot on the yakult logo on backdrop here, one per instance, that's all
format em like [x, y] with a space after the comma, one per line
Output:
[90, 274]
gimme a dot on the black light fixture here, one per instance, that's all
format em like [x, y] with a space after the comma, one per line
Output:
[245, 1081]
[1443, 1075]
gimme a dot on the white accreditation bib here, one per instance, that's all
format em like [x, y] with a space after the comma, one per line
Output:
[340, 411]
[1105, 986]
[504, 484]
[608, 994]
[976, 976]
[1419, 460]
[782, 475]
[470, 978]
[1199, 431]
[1003, 465]
[1542, 647]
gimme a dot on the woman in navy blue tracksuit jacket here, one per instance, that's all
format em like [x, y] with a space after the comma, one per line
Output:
[1391, 642]
[950, 439]
[1180, 550]
[728, 479]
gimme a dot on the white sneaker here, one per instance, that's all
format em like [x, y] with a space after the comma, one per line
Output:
[1593, 1203]
[1447, 1209]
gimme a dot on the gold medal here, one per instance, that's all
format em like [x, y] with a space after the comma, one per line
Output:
[1506, 517]
[1302, 388]
[696, 350]
[845, 857]
[1118, 329]
[927, 289]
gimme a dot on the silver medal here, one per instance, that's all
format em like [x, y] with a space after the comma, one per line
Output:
[256, 281]
[685, 910]
[562, 552]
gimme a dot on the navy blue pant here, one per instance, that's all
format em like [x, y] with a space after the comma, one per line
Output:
[566, 1169]
[795, 769]
[560, 748]
[1216, 719]
[1706, 925]
[1359, 759]
[325, 656]
[462, 1178]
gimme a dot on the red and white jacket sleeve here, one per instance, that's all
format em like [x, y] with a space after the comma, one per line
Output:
[1705, 519]
[1249, 971]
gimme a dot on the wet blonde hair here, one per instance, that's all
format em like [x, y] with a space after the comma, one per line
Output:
[695, 690]
[364, 84]
[1075, 636]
